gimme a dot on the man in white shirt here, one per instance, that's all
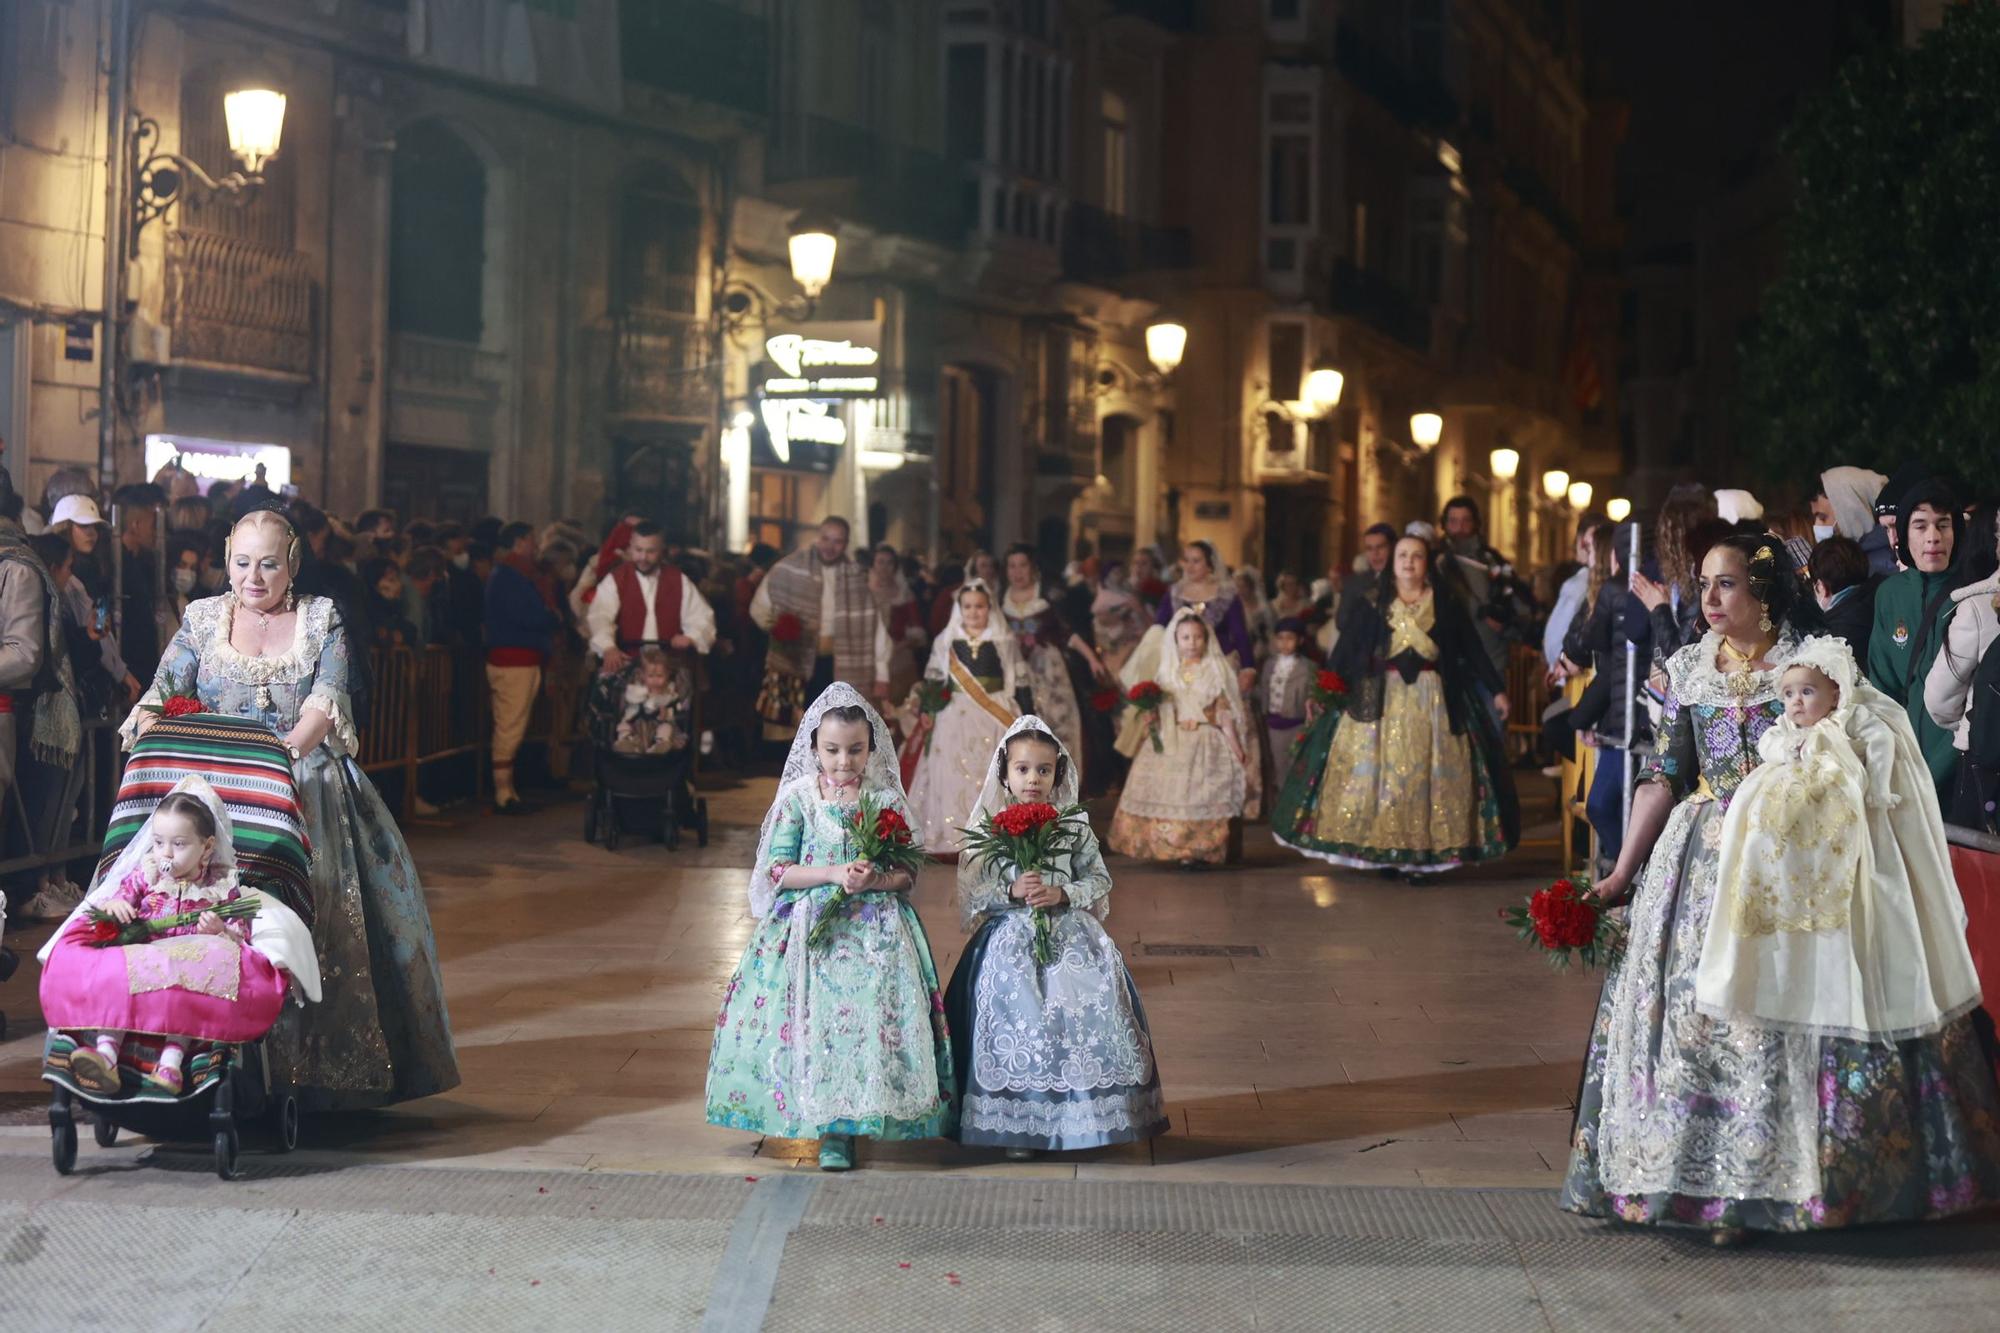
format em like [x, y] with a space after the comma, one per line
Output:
[647, 601]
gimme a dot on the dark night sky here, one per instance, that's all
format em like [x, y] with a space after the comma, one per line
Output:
[1711, 84]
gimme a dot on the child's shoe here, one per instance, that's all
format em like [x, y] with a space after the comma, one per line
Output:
[166, 1078]
[94, 1071]
[836, 1152]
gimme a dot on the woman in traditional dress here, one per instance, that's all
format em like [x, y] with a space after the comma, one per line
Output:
[1061, 663]
[976, 659]
[901, 614]
[260, 651]
[1206, 586]
[1411, 774]
[1258, 616]
[1117, 618]
[1690, 1119]
[1191, 768]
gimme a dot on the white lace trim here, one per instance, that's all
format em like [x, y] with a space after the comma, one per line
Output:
[339, 709]
[223, 657]
[1129, 1111]
[1696, 680]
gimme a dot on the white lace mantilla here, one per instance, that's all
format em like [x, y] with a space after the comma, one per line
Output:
[1697, 682]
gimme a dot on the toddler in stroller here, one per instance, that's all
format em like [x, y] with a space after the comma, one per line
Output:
[169, 974]
[641, 721]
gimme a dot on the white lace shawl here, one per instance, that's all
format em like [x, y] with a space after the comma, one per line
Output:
[982, 887]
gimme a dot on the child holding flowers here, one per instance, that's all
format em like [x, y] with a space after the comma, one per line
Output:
[833, 1025]
[1053, 1050]
[172, 946]
[978, 658]
[1185, 734]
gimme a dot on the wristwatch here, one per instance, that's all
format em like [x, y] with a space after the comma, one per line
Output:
[294, 751]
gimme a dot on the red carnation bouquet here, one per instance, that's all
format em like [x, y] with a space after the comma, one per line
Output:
[1147, 696]
[179, 705]
[787, 628]
[1106, 700]
[1565, 922]
[101, 930]
[880, 836]
[1028, 837]
[1329, 691]
[1152, 590]
[932, 696]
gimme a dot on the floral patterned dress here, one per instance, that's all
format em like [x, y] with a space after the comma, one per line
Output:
[381, 1033]
[844, 1037]
[1686, 1120]
[1043, 638]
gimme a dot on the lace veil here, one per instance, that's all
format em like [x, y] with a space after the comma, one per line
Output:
[993, 798]
[1157, 648]
[881, 780]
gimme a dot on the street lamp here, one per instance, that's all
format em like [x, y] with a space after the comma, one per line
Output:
[255, 118]
[813, 246]
[1555, 483]
[1579, 495]
[1426, 429]
[1505, 463]
[1322, 390]
[1166, 343]
[1618, 510]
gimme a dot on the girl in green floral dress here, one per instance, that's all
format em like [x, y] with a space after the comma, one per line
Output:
[845, 1037]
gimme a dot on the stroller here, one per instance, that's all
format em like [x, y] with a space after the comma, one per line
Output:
[644, 778]
[226, 1086]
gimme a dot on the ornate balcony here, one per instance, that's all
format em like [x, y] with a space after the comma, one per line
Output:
[445, 368]
[237, 305]
[659, 367]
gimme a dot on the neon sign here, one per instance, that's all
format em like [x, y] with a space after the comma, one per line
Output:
[821, 368]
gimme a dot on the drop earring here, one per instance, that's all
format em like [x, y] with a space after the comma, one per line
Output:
[1764, 621]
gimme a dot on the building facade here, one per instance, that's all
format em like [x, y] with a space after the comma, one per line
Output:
[531, 259]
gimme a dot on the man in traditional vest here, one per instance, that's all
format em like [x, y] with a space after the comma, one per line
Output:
[824, 626]
[646, 602]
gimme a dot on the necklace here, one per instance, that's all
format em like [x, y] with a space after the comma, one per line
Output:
[1741, 676]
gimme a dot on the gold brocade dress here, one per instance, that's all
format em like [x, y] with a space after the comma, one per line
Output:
[1402, 791]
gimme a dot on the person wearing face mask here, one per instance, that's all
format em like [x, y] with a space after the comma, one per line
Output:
[1910, 610]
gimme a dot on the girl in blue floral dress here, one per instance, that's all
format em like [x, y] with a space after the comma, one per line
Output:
[1727, 1124]
[845, 1037]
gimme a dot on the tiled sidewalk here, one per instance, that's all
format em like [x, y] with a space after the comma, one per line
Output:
[1374, 1034]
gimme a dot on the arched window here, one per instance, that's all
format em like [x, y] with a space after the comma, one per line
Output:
[659, 246]
[437, 235]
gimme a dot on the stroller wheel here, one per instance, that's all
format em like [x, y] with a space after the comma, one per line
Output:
[104, 1129]
[225, 1153]
[285, 1122]
[62, 1146]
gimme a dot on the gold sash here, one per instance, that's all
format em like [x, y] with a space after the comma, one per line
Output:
[976, 692]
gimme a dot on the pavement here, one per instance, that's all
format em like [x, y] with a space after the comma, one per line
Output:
[1370, 1087]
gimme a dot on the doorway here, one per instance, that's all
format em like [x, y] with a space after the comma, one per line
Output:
[442, 485]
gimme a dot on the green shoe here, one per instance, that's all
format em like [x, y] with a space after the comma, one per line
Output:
[836, 1152]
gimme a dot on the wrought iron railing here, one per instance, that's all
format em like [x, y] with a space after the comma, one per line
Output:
[445, 365]
[1382, 304]
[234, 302]
[659, 365]
[1101, 246]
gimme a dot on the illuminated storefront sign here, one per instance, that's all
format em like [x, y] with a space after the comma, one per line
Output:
[803, 421]
[210, 461]
[809, 367]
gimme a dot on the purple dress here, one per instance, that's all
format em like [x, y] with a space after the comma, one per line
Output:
[1224, 616]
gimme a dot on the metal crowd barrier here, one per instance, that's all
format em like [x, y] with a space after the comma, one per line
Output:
[80, 836]
[423, 707]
